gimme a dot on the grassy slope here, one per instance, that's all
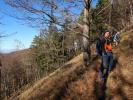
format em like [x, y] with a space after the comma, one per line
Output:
[72, 82]
[49, 86]
[120, 82]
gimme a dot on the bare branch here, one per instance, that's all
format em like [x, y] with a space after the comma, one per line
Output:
[2, 35]
[103, 9]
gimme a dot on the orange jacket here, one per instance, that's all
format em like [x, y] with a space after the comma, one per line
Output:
[108, 47]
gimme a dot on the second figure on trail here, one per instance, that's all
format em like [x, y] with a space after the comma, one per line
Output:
[116, 38]
[104, 49]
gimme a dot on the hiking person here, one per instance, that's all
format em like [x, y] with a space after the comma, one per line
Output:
[116, 38]
[104, 49]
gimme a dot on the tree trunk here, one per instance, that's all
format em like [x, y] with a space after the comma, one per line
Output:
[86, 43]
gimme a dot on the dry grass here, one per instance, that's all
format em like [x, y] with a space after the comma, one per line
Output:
[84, 87]
[120, 81]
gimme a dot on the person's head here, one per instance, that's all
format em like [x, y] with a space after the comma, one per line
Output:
[107, 34]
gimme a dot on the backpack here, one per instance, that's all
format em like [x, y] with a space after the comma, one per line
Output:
[99, 46]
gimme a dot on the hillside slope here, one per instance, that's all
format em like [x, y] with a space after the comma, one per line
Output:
[21, 55]
[74, 82]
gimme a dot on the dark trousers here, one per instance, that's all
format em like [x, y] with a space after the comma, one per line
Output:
[107, 63]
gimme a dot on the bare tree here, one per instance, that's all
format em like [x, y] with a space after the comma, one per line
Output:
[86, 43]
[40, 13]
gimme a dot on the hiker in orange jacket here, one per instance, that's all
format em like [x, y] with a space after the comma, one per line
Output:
[106, 54]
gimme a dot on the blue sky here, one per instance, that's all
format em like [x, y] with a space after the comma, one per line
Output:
[24, 33]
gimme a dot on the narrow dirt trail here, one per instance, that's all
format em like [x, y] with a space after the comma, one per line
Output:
[87, 87]
[81, 88]
[118, 86]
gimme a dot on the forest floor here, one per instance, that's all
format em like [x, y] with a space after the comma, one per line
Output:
[73, 81]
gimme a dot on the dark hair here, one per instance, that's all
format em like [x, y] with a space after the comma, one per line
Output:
[105, 32]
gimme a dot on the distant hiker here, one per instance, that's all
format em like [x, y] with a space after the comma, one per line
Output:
[116, 38]
[104, 49]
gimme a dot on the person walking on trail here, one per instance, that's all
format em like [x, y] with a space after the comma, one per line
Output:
[104, 49]
[116, 38]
